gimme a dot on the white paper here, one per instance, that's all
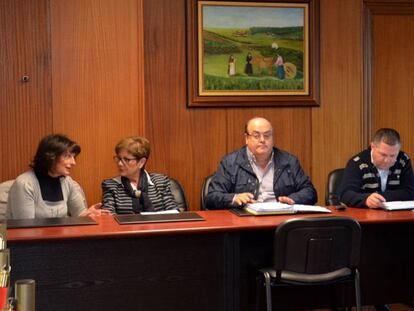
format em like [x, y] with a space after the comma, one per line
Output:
[398, 205]
[302, 208]
[269, 206]
[172, 211]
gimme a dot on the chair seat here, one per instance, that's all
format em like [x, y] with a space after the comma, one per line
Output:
[294, 277]
[333, 187]
[204, 191]
[4, 195]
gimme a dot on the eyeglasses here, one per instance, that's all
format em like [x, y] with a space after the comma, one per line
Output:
[257, 135]
[68, 155]
[124, 160]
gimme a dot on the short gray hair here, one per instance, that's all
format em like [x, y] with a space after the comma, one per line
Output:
[388, 136]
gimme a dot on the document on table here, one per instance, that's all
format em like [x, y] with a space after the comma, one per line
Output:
[302, 208]
[172, 211]
[398, 205]
[269, 208]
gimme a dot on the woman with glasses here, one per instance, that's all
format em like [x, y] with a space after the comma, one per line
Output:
[135, 190]
[47, 190]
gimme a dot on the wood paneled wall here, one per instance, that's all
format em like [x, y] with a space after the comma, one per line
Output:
[104, 69]
[337, 125]
[392, 73]
[85, 60]
[97, 74]
[25, 107]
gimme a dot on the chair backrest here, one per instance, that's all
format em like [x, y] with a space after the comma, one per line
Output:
[332, 186]
[315, 245]
[204, 190]
[178, 194]
[4, 195]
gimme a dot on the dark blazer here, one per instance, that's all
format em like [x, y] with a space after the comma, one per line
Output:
[235, 175]
[361, 178]
[116, 199]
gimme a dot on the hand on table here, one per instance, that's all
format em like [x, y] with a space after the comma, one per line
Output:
[375, 200]
[95, 210]
[287, 200]
[243, 198]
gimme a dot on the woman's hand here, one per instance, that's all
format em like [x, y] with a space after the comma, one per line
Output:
[95, 210]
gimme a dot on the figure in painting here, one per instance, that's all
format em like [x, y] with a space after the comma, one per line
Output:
[249, 67]
[231, 68]
[280, 67]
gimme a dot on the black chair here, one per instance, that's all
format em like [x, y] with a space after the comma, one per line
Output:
[313, 251]
[179, 195]
[204, 191]
[332, 187]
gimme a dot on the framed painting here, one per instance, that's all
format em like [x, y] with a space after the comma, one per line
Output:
[252, 53]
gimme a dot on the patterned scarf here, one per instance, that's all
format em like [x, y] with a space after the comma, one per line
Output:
[140, 199]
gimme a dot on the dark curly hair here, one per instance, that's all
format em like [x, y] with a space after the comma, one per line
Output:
[49, 150]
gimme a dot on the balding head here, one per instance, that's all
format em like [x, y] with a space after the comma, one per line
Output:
[257, 122]
[259, 137]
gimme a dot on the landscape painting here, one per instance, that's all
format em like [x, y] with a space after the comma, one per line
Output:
[251, 49]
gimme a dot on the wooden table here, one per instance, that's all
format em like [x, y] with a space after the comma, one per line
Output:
[204, 265]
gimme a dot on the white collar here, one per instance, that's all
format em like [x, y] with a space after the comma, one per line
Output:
[149, 178]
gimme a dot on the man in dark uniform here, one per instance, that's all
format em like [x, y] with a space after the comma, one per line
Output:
[380, 173]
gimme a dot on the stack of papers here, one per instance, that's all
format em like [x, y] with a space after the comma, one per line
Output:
[270, 208]
[398, 205]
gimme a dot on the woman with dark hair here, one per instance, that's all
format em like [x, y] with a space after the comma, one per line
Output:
[47, 190]
[136, 190]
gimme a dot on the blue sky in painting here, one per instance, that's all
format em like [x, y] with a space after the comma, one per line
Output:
[245, 17]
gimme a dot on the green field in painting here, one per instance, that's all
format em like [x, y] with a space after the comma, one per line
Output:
[259, 39]
[219, 44]
[249, 83]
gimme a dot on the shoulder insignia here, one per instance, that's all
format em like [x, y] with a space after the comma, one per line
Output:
[394, 182]
[370, 186]
[368, 175]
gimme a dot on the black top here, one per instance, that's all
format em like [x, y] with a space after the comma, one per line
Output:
[50, 187]
[361, 178]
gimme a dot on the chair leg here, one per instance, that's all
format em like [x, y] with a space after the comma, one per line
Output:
[357, 291]
[259, 286]
[268, 291]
